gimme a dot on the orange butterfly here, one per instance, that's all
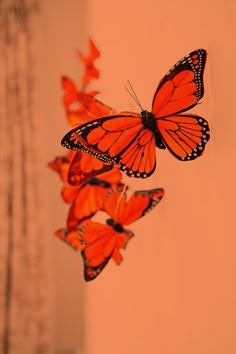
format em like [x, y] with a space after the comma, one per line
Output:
[88, 198]
[129, 139]
[91, 72]
[99, 243]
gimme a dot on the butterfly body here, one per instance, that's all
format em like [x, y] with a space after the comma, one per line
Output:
[149, 122]
[129, 139]
[115, 225]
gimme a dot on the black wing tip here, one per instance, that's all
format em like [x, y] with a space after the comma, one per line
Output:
[155, 190]
[91, 273]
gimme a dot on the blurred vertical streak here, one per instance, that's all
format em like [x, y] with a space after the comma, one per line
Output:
[24, 325]
[64, 32]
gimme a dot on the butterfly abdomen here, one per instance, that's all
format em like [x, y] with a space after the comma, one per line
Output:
[115, 225]
[149, 122]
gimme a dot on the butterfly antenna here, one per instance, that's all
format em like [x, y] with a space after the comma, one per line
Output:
[133, 94]
[120, 197]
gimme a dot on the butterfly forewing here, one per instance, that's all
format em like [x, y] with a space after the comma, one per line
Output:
[126, 212]
[184, 135]
[140, 203]
[182, 87]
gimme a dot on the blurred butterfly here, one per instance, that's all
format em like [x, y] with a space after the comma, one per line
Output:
[88, 198]
[98, 242]
[91, 72]
[129, 139]
[73, 99]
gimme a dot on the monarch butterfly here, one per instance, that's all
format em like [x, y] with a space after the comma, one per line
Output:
[129, 139]
[98, 242]
[88, 198]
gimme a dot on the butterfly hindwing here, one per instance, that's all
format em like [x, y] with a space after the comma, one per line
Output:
[184, 135]
[91, 272]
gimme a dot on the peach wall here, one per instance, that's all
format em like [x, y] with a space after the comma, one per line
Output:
[175, 291]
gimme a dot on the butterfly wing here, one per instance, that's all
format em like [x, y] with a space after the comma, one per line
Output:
[91, 72]
[89, 197]
[93, 54]
[94, 259]
[101, 243]
[125, 212]
[122, 139]
[113, 177]
[184, 135]
[70, 91]
[91, 272]
[69, 193]
[70, 237]
[182, 87]
[61, 165]
[84, 166]
[88, 200]
[88, 108]
[141, 203]
[95, 107]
